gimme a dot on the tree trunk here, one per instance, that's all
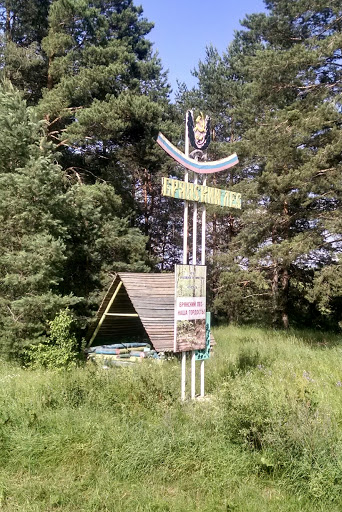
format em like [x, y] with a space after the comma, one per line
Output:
[148, 206]
[8, 25]
[275, 292]
[146, 214]
[49, 77]
[284, 302]
[230, 229]
[285, 279]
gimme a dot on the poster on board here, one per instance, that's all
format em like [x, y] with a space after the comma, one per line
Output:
[190, 307]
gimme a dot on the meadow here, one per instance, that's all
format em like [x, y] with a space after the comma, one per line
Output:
[267, 436]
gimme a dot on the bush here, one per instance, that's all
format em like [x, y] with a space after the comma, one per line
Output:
[59, 350]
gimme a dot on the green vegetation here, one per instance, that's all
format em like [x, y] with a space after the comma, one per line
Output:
[275, 98]
[58, 238]
[82, 98]
[59, 350]
[267, 437]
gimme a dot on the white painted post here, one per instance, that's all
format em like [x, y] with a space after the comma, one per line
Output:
[204, 219]
[202, 378]
[193, 375]
[185, 249]
[186, 204]
[194, 261]
[194, 227]
[183, 375]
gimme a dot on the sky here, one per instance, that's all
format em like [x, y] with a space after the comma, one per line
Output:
[183, 29]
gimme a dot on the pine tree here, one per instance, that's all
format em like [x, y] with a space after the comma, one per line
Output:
[31, 233]
[297, 140]
[23, 25]
[286, 121]
[100, 242]
[105, 91]
[60, 240]
[106, 99]
[105, 95]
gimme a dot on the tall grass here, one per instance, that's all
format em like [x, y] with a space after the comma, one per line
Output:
[268, 436]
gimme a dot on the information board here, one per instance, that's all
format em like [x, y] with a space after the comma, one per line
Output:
[190, 307]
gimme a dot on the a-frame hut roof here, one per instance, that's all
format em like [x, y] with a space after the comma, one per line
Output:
[137, 306]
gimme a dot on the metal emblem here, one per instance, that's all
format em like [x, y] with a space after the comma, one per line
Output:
[199, 132]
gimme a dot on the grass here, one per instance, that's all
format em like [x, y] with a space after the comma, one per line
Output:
[268, 437]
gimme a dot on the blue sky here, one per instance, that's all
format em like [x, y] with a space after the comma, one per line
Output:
[183, 29]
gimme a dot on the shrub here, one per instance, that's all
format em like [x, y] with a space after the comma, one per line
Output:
[59, 350]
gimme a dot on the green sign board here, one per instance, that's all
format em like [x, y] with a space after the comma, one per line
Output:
[200, 193]
[201, 355]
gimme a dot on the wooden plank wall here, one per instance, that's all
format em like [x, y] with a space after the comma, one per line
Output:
[151, 296]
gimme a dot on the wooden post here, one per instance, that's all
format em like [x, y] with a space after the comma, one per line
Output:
[104, 314]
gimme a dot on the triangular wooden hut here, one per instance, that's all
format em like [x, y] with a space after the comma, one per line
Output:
[137, 307]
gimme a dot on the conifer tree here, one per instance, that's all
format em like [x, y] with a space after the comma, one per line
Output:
[106, 92]
[105, 95]
[297, 143]
[23, 25]
[287, 121]
[31, 232]
[60, 240]
[106, 99]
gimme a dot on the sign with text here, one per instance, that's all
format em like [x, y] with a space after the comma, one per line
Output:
[200, 193]
[190, 307]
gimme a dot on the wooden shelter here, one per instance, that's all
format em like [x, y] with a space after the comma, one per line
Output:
[137, 307]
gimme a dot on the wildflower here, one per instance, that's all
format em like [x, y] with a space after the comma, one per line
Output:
[306, 376]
